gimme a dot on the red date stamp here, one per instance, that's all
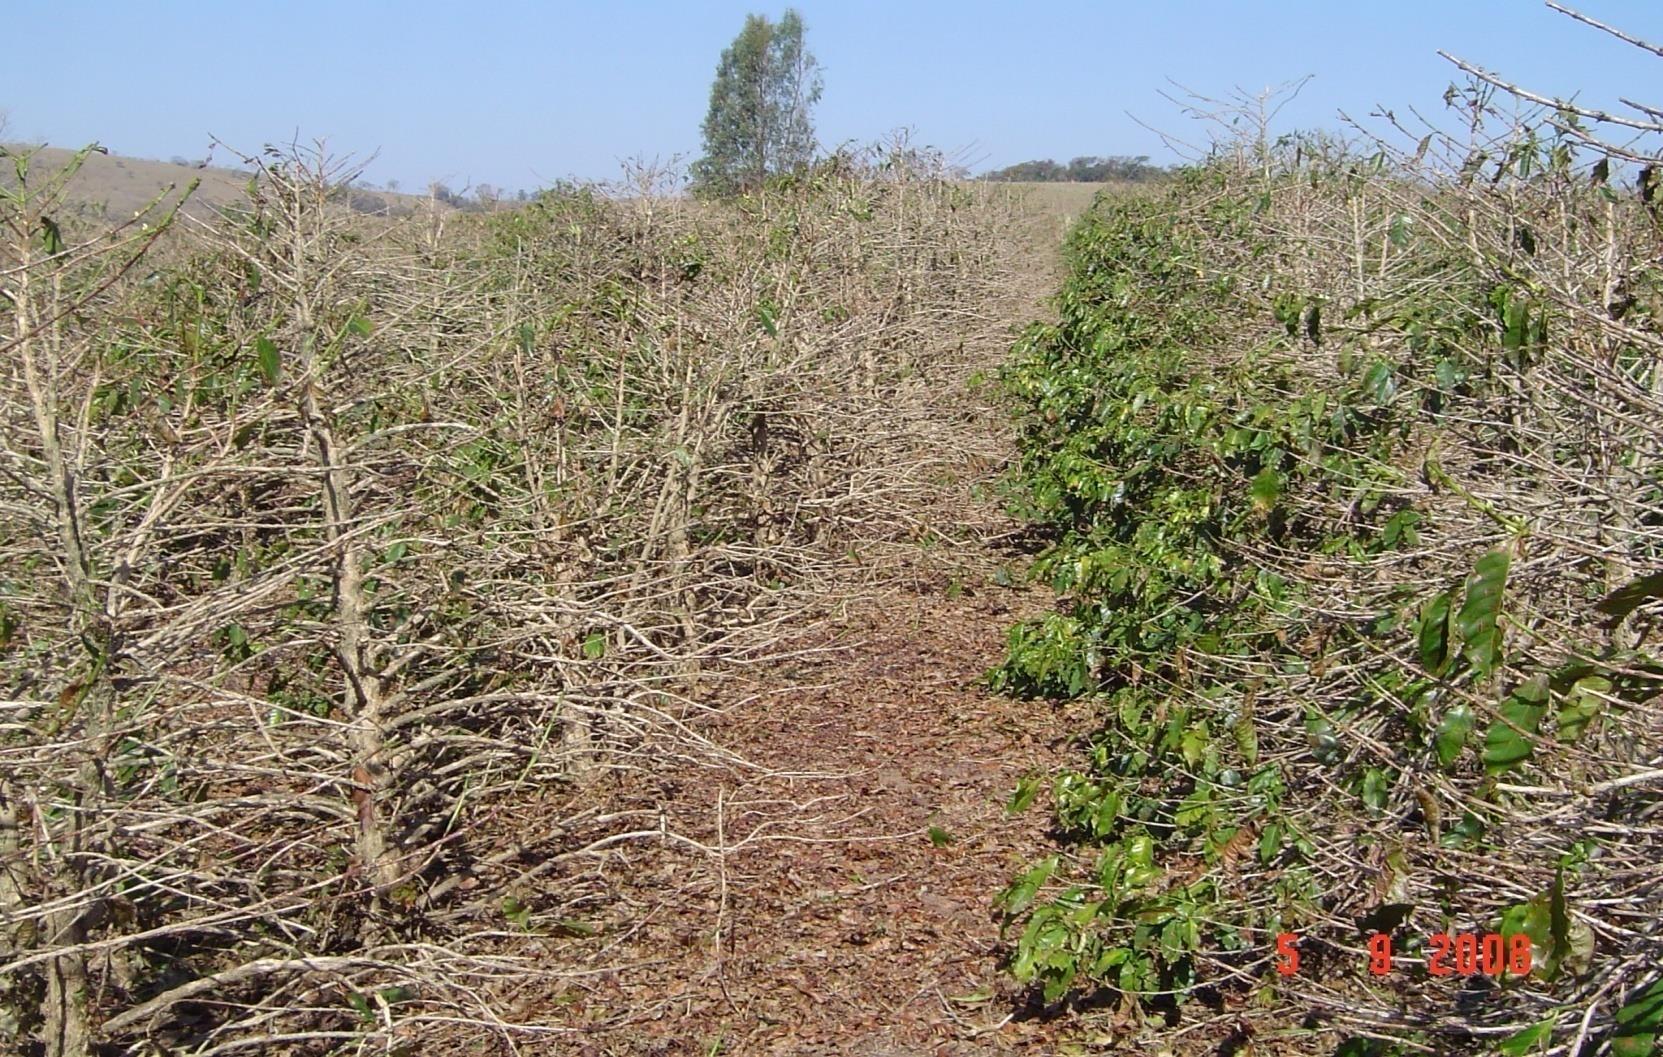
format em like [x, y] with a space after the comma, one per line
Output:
[1447, 954]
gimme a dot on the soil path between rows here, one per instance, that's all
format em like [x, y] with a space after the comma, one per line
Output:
[847, 908]
[833, 892]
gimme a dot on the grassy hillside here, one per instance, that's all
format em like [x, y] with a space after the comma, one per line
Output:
[118, 187]
[1353, 472]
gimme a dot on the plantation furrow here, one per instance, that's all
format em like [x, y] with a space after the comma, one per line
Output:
[839, 902]
[827, 890]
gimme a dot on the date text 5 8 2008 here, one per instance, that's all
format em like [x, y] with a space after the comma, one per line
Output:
[1447, 954]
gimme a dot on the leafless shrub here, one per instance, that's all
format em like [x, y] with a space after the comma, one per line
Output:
[334, 546]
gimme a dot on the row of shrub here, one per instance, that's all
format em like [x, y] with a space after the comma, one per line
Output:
[347, 566]
[1350, 462]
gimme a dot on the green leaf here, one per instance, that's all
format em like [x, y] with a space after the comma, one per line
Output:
[1513, 315]
[1511, 738]
[1534, 1037]
[1270, 842]
[1559, 942]
[360, 326]
[1452, 733]
[1573, 941]
[362, 1006]
[974, 998]
[1376, 791]
[574, 927]
[1478, 622]
[1400, 230]
[594, 647]
[1266, 490]
[940, 837]
[1449, 374]
[1434, 634]
[765, 316]
[516, 912]
[1629, 597]
[1193, 744]
[1379, 384]
[1139, 856]
[52, 239]
[1057, 986]
[1532, 919]
[1027, 787]
[1196, 810]
[1020, 895]
[1469, 830]
[1639, 1023]
[1586, 703]
[1107, 816]
[1401, 526]
[271, 363]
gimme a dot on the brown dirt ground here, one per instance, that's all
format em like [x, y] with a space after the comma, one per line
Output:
[833, 923]
[834, 891]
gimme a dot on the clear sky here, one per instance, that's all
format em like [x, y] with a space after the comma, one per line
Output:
[519, 93]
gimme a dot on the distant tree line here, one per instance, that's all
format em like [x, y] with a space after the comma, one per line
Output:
[484, 198]
[1084, 169]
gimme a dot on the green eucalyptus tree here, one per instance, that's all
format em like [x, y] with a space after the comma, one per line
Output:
[759, 122]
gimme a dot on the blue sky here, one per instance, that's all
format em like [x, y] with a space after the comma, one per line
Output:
[519, 93]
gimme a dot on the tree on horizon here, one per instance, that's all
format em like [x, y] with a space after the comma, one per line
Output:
[759, 123]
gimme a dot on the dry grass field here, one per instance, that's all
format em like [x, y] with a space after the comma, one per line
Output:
[1060, 199]
[1055, 206]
